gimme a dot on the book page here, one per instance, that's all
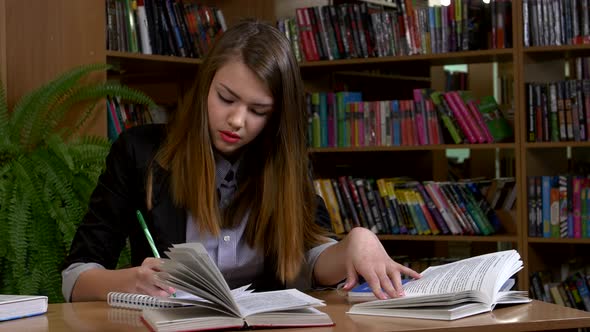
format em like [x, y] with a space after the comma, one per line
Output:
[287, 299]
[485, 274]
[190, 269]
[236, 293]
[290, 318]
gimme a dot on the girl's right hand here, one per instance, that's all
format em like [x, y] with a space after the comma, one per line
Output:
[145, 279]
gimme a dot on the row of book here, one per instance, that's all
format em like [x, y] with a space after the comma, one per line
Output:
[165, 27]
[558, 206]
[343, 119]
[558, 111]
[121, 115]
[405, 206]
[581, 66]
[556, 22]
[573, 291]
[360, 30]
[456, 80]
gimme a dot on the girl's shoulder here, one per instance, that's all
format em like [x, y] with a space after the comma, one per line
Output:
[153, 132]
[140, 143]
[147, 136]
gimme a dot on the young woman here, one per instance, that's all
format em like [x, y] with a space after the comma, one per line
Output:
[230, 170]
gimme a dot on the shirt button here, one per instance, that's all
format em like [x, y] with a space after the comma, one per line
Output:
[226, 238]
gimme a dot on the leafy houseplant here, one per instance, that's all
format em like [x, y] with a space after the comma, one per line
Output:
[48, 170]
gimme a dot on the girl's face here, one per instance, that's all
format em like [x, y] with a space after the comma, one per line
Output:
[239, 105]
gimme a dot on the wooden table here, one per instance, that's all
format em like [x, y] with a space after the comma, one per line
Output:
[535, 316]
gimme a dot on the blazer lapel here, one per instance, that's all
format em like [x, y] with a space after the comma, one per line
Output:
[168, 220]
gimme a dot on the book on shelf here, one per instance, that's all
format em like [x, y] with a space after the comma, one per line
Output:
[21, 306]
[455, 290]
[209, 303]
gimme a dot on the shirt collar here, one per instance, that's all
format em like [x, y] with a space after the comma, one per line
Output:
[224, 166]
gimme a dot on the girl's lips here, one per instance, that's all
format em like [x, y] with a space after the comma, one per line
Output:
[229, 137]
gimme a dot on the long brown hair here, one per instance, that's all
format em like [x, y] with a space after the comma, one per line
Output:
[277, 190]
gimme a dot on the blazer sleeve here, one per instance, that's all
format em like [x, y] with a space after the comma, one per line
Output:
[101, 235]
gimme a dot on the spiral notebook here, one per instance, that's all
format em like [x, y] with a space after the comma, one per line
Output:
[139, 301]
[180, 299]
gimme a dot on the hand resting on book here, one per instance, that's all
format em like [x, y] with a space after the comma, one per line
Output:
[365, 256]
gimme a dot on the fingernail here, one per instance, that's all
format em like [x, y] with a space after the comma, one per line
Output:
[401, 293]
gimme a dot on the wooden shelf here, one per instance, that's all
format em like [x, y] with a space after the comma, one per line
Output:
[414, 148]
[551, 52]
[558, 240]
[465, 57]
[558, 48]
[383, 76]
[137, 65]
[446, 238]
[549, 145]
[137, 62]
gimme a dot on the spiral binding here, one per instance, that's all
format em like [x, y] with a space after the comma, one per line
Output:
[137, 301]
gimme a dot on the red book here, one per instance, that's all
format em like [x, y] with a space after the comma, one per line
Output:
[307, 41]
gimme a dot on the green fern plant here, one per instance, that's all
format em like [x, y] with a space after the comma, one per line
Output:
[48, 170]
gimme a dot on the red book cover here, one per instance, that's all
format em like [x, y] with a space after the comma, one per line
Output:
[305, 35]
[460, 118]
[470, 119]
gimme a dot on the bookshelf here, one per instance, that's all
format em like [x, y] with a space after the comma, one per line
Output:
[546, 64]
[69, 35]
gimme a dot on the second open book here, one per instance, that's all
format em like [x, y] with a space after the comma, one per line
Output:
[214, 306]
[455, 290]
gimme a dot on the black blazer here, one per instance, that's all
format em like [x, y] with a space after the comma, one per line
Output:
[120, 191]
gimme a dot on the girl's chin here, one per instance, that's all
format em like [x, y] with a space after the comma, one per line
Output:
[227, 151]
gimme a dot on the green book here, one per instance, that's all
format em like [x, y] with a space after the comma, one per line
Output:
[499, 127]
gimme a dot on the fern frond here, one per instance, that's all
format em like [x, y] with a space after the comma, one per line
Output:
[84, 117]
[90, 150]
[19, 223]
[32, 109]
[8, 150]
[66, 208]
[3, 115]
[91, 93]
[57, 145]
[7, 184]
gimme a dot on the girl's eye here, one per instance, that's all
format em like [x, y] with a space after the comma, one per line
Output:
[257, 112]
[223, 99]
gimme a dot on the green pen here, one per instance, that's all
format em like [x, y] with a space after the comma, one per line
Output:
[146, 231]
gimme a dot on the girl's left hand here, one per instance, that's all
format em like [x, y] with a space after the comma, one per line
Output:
[366, 256]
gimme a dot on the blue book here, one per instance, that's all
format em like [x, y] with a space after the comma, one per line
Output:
[362, 292]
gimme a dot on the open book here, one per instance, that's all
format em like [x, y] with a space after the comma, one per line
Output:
[190, 269]
[455, 290]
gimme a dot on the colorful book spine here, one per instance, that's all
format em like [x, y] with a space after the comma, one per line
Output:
[546, 205]
[389, 208]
